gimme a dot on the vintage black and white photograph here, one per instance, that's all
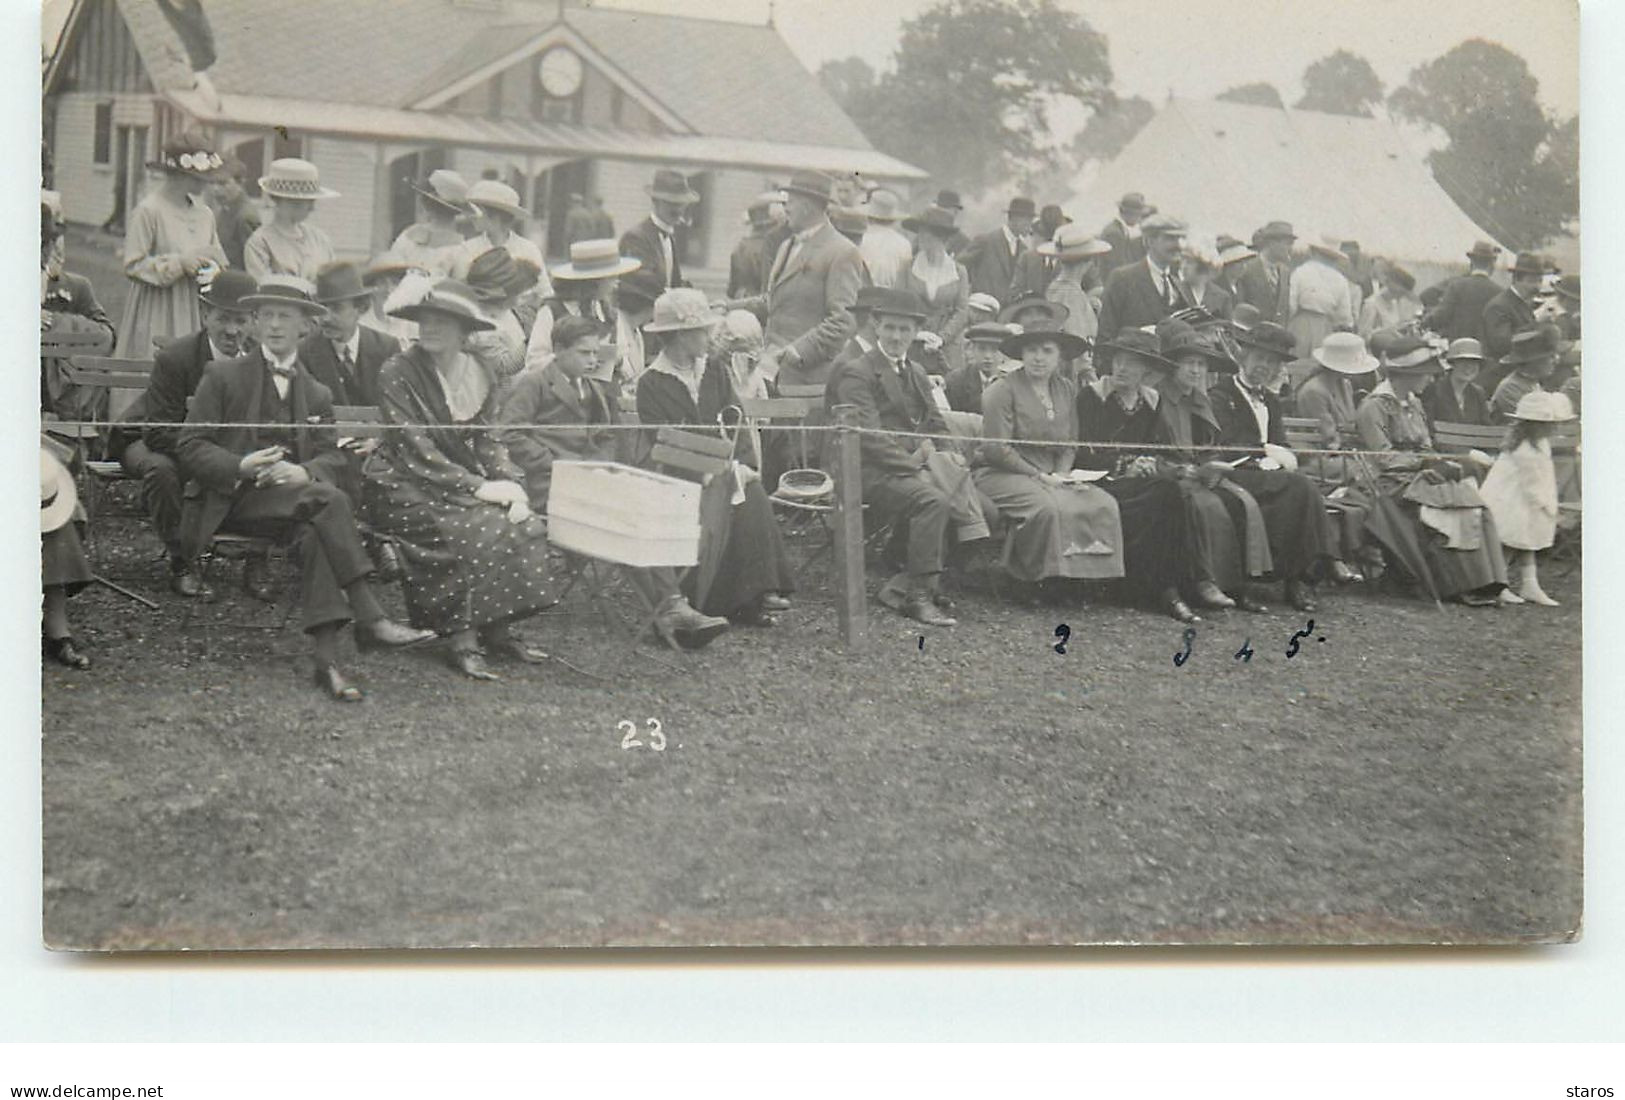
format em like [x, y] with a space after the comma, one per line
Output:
[643, 473]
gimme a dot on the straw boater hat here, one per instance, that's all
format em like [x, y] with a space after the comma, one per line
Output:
[1411, 355]
[670, 185]
[1538, 406]
[188, 157]
[228, 289]
[1054, 312]
[1071, 345]
[445, 188]
[286, 290]
[1464, 348]
[498, 196]
[884, 206]
[340, 281]
[293, 178]
[1072, 243]
[57, 495]
[448, 298]
[599, 258]
[1344, 353]
[680, 309]
[1267, 336]
[935, 220]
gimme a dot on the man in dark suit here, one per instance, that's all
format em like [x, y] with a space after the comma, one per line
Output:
[949, 200]
[990, 259]
[282, 482]
[1265, 280]
[1508, 313]
[1123, 232]
[892, 394]
[343, 354]
[1146, 292]
[983, 359]
[656, 240]
[1460, 312]
[150, 456]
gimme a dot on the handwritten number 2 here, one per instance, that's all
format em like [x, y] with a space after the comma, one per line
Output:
[1062, 632]
[1297, 636]
[1185, 654]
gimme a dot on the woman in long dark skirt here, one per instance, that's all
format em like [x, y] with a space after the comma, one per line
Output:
[682, 387]
[476, 555]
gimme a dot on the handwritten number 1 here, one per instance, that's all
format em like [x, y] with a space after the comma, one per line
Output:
[1297, 636]
[1185, 654]
[1064, 633]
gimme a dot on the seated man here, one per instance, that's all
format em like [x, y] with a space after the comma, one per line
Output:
[562, 393]
[343, 354]
[899, 480]
[176, 371]
[282, 482]
[983, 361]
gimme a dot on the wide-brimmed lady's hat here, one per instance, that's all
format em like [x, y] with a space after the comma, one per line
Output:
[498, 196]
[1410, 355]
[385, 265]
[294, 178]
[286, 290]
[228, 289]
[1269, 337]
[933, 220]
[670, 185]
[682, 308]
[447, 298]
[1071, 345]
[495, 275]
[1138, 343]
[1531, 347]
[1540, 407]
[1528, 263]
[1054, 312]
[893, 302]
[1176, 338]
[1072, 243]
[57, 494]
[599, 258]
[815, 185]
[188, 157]
[1464, 348]
[444, 188]
[340, 281]
[983, 302]
[1344, 353]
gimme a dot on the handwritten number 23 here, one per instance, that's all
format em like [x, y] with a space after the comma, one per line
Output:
[657, 736]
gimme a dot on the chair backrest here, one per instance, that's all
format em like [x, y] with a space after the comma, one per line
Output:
[58, 343]
[700, 457]
[1454, 438]
[801, 401]
[1302, 432]
[113, 374]
[359, 421]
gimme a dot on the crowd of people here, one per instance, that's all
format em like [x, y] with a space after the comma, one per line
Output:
[1112, 405]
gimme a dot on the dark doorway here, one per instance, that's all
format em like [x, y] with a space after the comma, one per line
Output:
[403, 173]
[550, 199]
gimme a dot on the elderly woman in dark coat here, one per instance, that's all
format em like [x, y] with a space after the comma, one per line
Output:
[1062, 527]
[476, 555]
[682, 386]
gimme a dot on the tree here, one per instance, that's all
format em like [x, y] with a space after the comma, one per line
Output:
[1260, 94]
[849, 81]
[1111, 128]
[1341, 83]
[967, 97]
[1510, 165]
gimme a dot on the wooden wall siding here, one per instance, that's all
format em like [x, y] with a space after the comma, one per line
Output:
[602, 103]
[103, 56]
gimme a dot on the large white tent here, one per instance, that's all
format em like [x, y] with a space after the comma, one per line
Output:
[1231, 167]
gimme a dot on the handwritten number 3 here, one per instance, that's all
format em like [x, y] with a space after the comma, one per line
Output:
[1185, 654]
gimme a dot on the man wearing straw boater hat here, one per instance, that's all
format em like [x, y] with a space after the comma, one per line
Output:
[343, 354]
[1123, 232]
[282, 482]
[434, 243]
[1460, 312]
[811, 285]
[991, 258]
[578, 291]
[177, 369]
[656, 241]
[1511, 311]
[497, 214]
[892, 394]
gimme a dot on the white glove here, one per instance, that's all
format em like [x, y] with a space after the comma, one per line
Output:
[1283, 457]
[501, 492]
[519, 512]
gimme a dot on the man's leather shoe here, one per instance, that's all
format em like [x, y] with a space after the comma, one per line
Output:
[185, 580]
[1181, 611]
[1211, 596]
[389, 634]
[922, 610]
[1342, 574]
[775, 602]
[1247, 602]
[678, 622]
[257, 579]
[1298, 595]
[338, 688]
[64, 652]
[388, 562]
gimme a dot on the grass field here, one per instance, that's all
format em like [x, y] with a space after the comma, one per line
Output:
[1414, 777]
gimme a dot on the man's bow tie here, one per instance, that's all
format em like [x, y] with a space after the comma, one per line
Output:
[287, 371]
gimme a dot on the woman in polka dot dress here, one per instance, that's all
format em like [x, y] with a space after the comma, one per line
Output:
[476, 555]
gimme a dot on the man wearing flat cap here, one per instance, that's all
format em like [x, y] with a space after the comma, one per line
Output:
[1144, 293]
[990, 259]
[1265, 280]
[1459, 314]
[656, 240]
[1123, 232]
[811, 286]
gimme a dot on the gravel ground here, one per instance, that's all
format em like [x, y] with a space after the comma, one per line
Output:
[1413, 777]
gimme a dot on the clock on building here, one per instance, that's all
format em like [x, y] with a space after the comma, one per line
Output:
[560, 72]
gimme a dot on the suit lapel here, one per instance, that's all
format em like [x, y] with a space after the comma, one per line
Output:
[566, 393]
[257, 381]
[890, 384]
[799, 261]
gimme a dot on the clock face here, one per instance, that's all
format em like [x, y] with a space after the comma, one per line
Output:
[560, 70]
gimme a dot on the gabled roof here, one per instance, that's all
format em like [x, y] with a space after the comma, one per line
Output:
[1231, 167]
[722, 79]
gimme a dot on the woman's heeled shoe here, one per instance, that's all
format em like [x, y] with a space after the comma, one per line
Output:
[471, 663]
[64, 651]
[337, 686]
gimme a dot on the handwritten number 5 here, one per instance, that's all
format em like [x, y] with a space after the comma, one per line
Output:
[1185, 654]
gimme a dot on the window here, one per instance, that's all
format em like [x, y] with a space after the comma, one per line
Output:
[102, 145]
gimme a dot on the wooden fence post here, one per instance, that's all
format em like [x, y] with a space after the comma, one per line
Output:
[851, 606]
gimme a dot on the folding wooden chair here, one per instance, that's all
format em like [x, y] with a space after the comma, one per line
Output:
[1453, 438]
[117, 376]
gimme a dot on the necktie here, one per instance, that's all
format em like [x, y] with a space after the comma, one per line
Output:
[346, 363]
